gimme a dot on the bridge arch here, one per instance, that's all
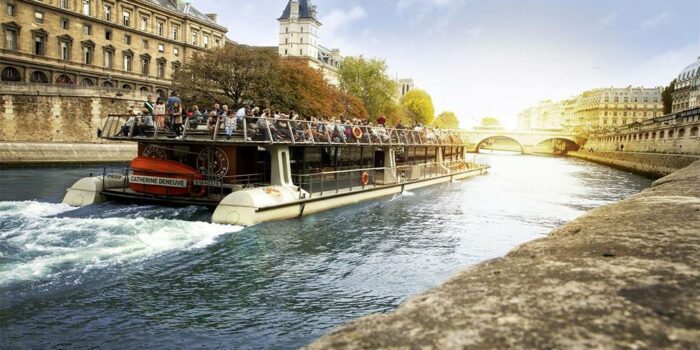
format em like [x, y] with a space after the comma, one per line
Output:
[569, 144]
[481, 142]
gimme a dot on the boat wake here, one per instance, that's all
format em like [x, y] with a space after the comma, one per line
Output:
[44, 241]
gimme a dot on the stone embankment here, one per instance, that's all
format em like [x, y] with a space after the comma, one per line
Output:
[624, 276]
[650, 164]
[65, 153]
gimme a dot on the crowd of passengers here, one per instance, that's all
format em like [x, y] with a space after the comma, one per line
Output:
[266, 125]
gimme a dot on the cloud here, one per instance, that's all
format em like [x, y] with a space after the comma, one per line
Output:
[608, 19]
[475, 32]
[656, 21]
[339, 18]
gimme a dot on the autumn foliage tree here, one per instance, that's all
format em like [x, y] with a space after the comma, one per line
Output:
[239, 75]
[419, 106]
[368, 79]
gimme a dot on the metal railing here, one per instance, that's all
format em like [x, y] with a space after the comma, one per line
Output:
[259, 130]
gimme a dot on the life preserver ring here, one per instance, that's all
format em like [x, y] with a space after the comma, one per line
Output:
[357, 132]
[194, 193]
[364, 178]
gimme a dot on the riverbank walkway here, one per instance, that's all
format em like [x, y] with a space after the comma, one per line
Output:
[626, 276]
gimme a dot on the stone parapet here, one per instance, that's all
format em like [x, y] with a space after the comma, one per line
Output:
[622, 276]
[57, 153]
[649, 164]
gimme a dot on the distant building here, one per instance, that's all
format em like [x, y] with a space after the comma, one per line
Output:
[298, 37]
[594, 110]
[687, 90]
[405, 85]
[126, 44]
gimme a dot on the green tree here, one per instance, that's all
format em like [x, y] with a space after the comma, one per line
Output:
[446, 120]
[666, 96]
[370, 82]
[490, 122]
[419, 106]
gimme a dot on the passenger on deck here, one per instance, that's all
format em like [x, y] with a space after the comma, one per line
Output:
[230, 124]
[126, 128]
[159, 114]
[211, 122]
[265, 130]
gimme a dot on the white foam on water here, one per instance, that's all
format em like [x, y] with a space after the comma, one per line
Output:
[33, 209]
[52, 246]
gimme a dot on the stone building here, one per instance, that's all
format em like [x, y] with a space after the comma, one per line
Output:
[405, 85]
[686, 94]
[595, 110]
[299, 37]
[125, 44]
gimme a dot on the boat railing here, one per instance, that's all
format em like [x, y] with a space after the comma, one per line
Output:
[263, 130]
[343, 181]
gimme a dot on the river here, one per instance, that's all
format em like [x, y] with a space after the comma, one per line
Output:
[141, 276]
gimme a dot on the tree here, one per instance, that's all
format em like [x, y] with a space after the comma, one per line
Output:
[490, 122]
[232, 74]
[446, 120]
[419, 107]
[667, 98]
[369, 81]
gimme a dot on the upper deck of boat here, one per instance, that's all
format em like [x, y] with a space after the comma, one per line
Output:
[280, 131]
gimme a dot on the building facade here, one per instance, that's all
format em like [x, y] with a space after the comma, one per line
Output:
[686, 94]
[405, 85]
[125, 44]
[299, 37]
[595, 110]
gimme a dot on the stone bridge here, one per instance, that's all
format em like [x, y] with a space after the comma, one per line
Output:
[528, 140]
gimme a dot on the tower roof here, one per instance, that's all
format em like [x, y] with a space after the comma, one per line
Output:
[304, 10]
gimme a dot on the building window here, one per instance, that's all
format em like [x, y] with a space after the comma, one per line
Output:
[126, 18]
[64, 46]
[145, 44]
[145, 64]
[88, 52]
[64, 23]
[128, 62]
[86, 7]
[11, 39]
[39, 77]
[87, 29]
[144, 23]
[39, 17]
[217, 42]
[205, 41]
[194, 38]
[107, 13]
[11, 10]
[108, 34]
[39, 44]
[127, 39]
[176, 67]
[63, 4]
[10, 74]
[161, 68]
[109, 59]
[161, 48]
[176, 51]
[160, 28]
[176, 32]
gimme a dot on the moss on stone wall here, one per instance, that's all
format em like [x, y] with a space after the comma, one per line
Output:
[33, 118]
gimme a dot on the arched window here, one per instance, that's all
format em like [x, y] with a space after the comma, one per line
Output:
[10, 74]
[145, 89]
[64, 79]
[126, 86]
[694, 131]
[661, 134]
[160, 93]
[87, 82]
[670, 134]
[108, 84]
[39, 77]
[681, 133]
[653, 135]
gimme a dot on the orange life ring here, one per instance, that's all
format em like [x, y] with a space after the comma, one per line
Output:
[357, 132]
[196, 194]
[364, 178]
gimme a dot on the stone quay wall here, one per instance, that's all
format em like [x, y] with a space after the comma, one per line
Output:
[625, 276]
[650, 164]
[33, 112]
[25, 153]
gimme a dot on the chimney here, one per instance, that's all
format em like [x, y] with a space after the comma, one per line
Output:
[294, 9]
[212, 16]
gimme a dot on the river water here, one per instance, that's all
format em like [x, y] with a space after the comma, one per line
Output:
[139, 276]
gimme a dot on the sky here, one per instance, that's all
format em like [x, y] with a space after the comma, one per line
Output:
[497, 57]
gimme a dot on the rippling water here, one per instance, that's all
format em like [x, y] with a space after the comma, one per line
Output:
[128, 276]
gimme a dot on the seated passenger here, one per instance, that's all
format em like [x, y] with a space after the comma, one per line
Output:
[230, 124]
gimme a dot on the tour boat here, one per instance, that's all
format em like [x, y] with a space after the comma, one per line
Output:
[288, 169]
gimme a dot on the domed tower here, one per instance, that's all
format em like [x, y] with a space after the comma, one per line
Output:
[686, 93]
[298, 35]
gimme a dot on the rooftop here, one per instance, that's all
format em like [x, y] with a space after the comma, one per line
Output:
[690, 71]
